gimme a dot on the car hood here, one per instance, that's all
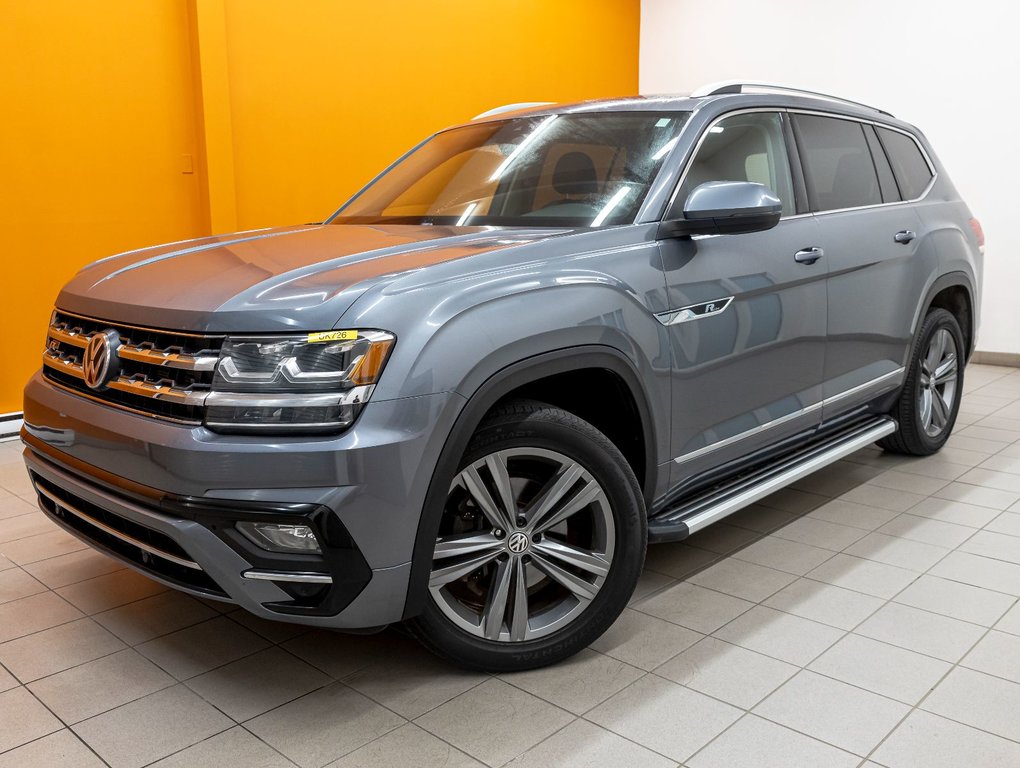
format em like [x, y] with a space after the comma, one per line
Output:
[295, 278]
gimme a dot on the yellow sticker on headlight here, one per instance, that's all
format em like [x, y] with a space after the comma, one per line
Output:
[332, 336]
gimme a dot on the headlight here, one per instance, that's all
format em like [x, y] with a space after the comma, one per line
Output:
[316, 382]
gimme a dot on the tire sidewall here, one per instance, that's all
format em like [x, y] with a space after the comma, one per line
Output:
[935, 321]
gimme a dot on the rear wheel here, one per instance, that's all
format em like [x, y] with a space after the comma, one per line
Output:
[540, 544]
[930, 400]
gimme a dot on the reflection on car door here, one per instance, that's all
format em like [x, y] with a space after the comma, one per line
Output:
[748, 321]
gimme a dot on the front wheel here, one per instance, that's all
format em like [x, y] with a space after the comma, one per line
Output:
[540, 544]
[927, 407]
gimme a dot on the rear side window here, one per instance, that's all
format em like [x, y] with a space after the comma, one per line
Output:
[838, 167]
[911, 169]
[886, 182]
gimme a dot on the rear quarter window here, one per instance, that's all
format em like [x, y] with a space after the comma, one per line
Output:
[912, 172]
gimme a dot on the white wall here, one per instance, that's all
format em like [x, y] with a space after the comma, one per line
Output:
[953, 69]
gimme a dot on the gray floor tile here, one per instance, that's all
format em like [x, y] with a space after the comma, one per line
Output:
[742, 579]
[912, 482]
[494, 722]
[407, 745]
[234, 748]
[649, 583]
[881, 668]
[927, 530]
[155, 726]
[997, 653]
[412, 681]
[784, 555]
[980, 571]
[819, 533]
[98, 686]
[794, 501]
[638, 713]
[154, 616]
[644, 641]
[883, 498]
[892, 550]
[584, 745]
[46, 545]
[1010, 622]
[998, 546]
[58, 750]
[825, 603]
[978, 495]
[33, 614]
[764, 519]
[989, 478]
[955, 599]
[861, 575]
[1007, 522]
[109, 591]
[7, 680]
[678, 560]
[756, 743]
[834, 712]
[22, 526]
[340, 655]
[928, 633]
[197, 649]
[694, 607]
[16, 583]
[925, 740]
[23, 719]
[853, 515]
[780, 635]
[323, 725]
[56, 649]
[957, 512]
[576, 684]
[728, 672]
[257, 683]
[722, 538]
[979, 700]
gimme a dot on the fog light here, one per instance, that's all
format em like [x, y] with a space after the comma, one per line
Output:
[281, 537]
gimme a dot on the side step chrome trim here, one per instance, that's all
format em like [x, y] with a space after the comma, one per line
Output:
[289, 576]
[61, 504]
[706, 509]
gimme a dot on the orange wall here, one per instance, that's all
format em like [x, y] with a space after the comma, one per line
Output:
[285, 109]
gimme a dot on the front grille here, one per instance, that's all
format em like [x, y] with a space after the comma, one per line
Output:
[147, 549]
[166, 374]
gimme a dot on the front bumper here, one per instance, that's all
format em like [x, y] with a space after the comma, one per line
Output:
[163, 498]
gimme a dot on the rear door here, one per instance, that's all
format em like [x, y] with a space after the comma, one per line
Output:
[747, 320]
[871, 241]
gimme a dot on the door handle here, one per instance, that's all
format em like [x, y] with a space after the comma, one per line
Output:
[808, 255]
[904, 236]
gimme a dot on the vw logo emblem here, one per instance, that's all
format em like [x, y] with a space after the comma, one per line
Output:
[517, 543]
[98, 357]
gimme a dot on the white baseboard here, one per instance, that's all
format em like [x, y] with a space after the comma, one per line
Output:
[1011, 359]
[10, 425]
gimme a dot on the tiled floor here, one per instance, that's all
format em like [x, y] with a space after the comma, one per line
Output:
[866, 617]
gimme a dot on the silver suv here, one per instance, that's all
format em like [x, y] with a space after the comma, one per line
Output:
[536, 342]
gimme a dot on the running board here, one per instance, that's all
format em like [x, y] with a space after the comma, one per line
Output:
[725, 499]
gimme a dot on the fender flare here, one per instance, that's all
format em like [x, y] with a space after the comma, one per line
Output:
[949, 280]
[497, 386]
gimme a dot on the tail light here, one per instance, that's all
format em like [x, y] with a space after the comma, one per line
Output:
[980, 233]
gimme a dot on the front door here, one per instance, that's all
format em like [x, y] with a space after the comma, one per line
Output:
[748, 317]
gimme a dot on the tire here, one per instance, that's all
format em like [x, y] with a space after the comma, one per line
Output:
[924, 429]
[472, 616]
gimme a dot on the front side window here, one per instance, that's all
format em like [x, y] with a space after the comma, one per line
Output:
[573, 170]
[744, 147]
[911, 169]
[838, 168]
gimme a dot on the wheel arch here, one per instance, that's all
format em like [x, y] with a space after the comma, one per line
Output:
[954, 292]
[492, 391]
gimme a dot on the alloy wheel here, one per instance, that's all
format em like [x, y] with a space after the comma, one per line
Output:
[937, 389]
[525, 544]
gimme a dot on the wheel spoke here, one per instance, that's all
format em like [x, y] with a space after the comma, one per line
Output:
[476, 487]
[580, 588]
[551, 494]
[496, 463]
[495, 607]
[589, 493]
[926, 408]
[466, 544]
[441, 576]
[589, 562]
[939, 410]
[946, 371]
[519, 609]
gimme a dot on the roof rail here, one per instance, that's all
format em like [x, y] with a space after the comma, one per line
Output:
[512, 108]
[750, 86]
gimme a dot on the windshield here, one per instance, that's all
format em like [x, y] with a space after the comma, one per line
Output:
[585, 170]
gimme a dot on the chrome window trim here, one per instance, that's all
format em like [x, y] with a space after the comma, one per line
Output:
[819, 113]
[788, 417]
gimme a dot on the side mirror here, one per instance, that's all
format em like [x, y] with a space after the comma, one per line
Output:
[725, 208]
